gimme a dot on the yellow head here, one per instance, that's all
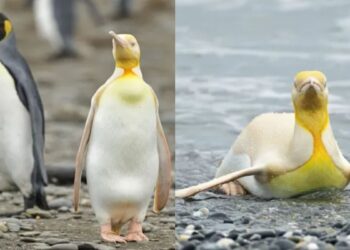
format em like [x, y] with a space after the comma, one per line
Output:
[310, 99]
[126, 50]
[5, 26]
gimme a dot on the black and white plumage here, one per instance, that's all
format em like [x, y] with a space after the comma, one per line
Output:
[56, 22]
[21, 124]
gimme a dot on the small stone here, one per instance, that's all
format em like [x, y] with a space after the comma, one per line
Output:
[167, 220]
[245, 220]
[147, 227]
[68, 246]
[27, 227]
[40, 246]
[85, 202]
[30, 234]
[226, 243]
[312, 246]
[197, 236]
[55, 241]
[284, 244]
[342, 245]
[210, 246]
[255, 237]
[63, 209]
[38, 213]
[201, 213]
[13, 227]
[188, 246]
[60, 202]
[218, 216]
[3, 227]
[29, 239]
[48, 234]
[216, 237]
[94, 246]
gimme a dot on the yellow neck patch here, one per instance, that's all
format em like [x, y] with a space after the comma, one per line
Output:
[318, 173]
[128, 88]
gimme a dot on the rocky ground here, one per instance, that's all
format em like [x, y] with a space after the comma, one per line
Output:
[66, 87]
[61, 229]
[218, 222]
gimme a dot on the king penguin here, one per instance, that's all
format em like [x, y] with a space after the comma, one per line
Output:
[21, 124]
[125, 149]
[56, 21]
[282, 155]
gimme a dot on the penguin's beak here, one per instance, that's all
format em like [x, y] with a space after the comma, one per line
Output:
[118, 40]
[311, 84]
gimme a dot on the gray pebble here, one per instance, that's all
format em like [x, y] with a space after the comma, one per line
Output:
[68, 246]
[60, 202]
[30, 234]
[40, 246]
[89, 246]
[48, 234]
[3, 227]
[55, 241]
[13, 227]
[255, 237]
[147, 227]
[284, 244]
[36, 212]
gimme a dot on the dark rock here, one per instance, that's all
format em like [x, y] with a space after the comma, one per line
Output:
[342, 245]
[68, 246]
[215, 237]
[197, 236]
[244, 220]
[284, 244]
[187, 246]
[55, 241]
[218, 216]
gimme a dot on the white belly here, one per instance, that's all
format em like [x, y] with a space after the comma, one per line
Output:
[122, 160]
[16, 159]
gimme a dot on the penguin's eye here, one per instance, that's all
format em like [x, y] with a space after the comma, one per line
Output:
[133, 44]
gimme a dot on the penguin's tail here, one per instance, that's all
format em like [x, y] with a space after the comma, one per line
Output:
[37, 198]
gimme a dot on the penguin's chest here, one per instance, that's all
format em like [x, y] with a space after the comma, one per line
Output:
[15, 132]
[123, 148]
[318, 173]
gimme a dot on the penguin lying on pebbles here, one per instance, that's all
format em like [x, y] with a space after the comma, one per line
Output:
[285, 155]
[125, 149]
[21, 124]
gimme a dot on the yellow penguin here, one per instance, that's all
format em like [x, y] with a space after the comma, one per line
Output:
[125, 149]
[285, 155]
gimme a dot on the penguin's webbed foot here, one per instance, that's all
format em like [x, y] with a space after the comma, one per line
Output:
[108, 235]
[233, 188]
[135, 232]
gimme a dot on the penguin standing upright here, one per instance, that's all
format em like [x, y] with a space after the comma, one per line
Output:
[55, 20]
[21, 124]
[127, 155]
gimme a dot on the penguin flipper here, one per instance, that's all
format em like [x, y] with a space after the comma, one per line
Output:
[79, 160]
[190, 191]
[161, 193]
